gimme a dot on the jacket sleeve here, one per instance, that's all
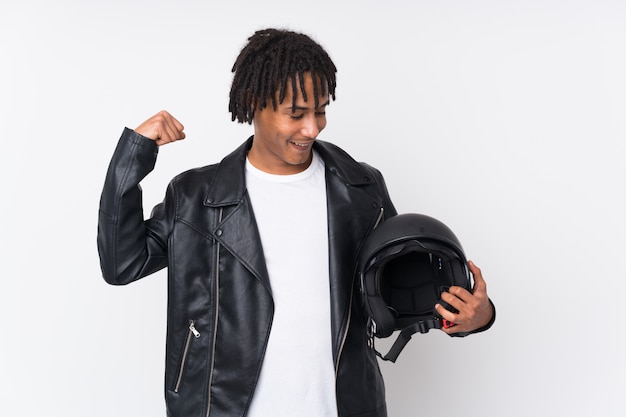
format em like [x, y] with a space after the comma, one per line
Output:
[129, 247]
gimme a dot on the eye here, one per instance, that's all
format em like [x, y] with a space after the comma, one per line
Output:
[296, 116]
[320, 113]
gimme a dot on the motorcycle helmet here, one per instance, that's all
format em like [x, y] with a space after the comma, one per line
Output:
[404, 266]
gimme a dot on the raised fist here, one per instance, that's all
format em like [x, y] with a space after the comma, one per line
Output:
[162, 128]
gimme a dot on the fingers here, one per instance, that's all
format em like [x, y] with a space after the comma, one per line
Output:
[456, 297]
[474, 308]
[162, 128]
[173, 128]
[445, 313]
[480, 286]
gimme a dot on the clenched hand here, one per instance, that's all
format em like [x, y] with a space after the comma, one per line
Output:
[162, 128]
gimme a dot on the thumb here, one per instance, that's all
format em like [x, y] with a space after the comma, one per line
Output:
[479, 282]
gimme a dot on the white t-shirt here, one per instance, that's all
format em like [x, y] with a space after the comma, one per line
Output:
[297, 377]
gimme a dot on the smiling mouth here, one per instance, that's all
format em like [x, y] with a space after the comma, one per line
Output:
[301, 145]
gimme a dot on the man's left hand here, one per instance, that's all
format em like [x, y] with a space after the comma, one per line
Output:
[474, 308]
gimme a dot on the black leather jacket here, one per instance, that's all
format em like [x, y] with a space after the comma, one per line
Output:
[220, 304]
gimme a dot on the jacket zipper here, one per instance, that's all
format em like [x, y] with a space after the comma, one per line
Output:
[380, 217]
[196, 334]
[217, 304]
[345, 333]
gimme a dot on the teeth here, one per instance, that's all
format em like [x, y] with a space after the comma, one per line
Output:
[302, 145]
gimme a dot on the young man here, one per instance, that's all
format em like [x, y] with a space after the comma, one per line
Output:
[263, 319]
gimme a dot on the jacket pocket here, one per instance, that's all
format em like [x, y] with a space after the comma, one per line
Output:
[192, 333]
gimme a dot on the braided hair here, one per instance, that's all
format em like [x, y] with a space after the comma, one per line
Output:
[272, 59]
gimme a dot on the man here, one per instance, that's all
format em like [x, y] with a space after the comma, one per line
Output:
[263, 319]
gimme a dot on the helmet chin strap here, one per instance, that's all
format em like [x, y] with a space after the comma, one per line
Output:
[422, 326]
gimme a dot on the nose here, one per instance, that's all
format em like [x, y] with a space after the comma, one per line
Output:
[310, 127]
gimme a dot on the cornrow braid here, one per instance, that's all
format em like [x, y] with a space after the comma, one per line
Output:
[272, 59]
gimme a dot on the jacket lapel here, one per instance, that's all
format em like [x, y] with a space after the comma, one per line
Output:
[237, 230]
[354, 206]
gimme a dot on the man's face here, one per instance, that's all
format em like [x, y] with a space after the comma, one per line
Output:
[283, 138]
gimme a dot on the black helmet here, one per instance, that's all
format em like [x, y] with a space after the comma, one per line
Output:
[404, 266]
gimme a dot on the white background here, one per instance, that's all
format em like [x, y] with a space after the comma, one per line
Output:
[503, 119]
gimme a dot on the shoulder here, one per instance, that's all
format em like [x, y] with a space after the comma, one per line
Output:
[223, 181]
[355, 174]
[194, 175]
[342, 163]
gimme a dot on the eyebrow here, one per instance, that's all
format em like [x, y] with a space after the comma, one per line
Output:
[303, 108]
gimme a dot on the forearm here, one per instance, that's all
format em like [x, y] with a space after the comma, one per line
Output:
[126, 251]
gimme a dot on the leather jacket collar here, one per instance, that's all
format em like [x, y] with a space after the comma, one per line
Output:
[229, 186]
